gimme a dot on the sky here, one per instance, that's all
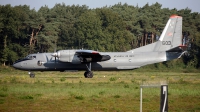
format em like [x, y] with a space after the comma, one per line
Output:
[194, 5]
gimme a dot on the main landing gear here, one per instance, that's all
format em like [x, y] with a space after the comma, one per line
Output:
[31, 74]
[88, 73]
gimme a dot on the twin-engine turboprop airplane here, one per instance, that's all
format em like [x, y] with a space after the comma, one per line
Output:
[168, 47]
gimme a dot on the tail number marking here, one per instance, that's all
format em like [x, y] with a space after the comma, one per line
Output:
[166, 42]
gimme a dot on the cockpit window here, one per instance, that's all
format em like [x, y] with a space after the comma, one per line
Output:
[30, 57]
[27, 57]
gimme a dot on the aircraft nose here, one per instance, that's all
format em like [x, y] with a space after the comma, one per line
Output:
[16, 65]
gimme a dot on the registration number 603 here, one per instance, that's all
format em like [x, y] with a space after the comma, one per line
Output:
[166, 42]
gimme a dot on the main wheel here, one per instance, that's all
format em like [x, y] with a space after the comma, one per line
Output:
[85, 74]
[88, 74]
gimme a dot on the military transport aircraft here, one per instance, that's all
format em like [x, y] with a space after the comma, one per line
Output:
[168, 47]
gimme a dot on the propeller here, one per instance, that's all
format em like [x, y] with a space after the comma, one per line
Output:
[55, 54]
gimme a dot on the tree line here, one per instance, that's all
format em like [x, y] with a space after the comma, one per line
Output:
[120, 27]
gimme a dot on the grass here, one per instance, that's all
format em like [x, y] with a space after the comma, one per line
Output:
[107, 91]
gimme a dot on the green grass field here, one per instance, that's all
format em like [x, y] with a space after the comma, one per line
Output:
[117, 91]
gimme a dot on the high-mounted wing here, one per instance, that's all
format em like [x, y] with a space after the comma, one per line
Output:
[91, 56]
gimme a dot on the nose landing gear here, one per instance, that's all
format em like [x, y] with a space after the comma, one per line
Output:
[31, 74]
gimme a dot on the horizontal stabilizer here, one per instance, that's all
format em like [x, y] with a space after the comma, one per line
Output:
[177, 49]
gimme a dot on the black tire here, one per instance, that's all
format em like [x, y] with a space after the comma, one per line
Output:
[91, 74]
[88, 74]
[32, 75]
[85, 74]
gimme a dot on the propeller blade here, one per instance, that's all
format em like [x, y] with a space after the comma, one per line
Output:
[56, 54]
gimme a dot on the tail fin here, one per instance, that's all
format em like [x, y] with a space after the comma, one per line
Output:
[170, 38]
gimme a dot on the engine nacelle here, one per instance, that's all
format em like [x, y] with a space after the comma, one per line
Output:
[68, 56]
[76, 60]
[72, 57]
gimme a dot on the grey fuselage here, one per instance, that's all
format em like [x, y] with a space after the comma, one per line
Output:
[118, 61]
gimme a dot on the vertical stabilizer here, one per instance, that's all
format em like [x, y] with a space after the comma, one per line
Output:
[170, 38]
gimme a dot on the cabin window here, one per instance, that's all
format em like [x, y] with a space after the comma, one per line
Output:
[34, 57]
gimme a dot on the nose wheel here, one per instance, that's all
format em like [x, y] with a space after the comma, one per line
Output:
[31, 74]
[88, 73]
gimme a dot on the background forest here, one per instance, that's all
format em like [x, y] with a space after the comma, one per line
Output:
[120, 27]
